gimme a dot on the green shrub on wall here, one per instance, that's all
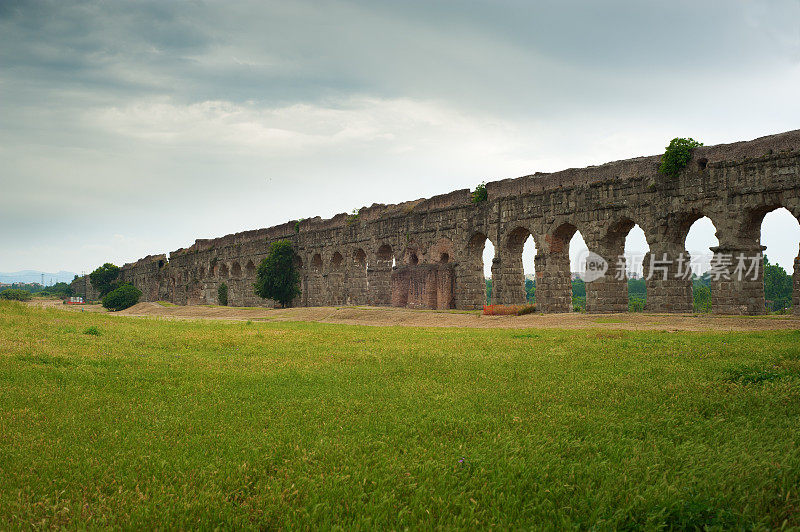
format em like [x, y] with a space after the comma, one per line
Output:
[222, 294]
[677, 156]
[479, 194]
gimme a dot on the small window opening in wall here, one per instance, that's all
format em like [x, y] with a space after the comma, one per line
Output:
[414, 259]
[444, 258]
[702, 163]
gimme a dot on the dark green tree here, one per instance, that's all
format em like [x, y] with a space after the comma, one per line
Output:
[777, 286]
[15, 294]
[122, 297]
[701, 294]
[222, 294]
[104, 278]
[276, 277]
[530, 291]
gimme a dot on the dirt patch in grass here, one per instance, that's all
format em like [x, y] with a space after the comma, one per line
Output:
[383, 316]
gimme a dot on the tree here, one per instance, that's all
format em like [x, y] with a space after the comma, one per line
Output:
[123, 297]
[777, 286]
[277, 277]
[530, 290]
[222, 294]
[104, 278]
[15, 294]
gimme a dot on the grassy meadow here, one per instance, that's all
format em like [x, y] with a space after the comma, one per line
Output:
[141, 422]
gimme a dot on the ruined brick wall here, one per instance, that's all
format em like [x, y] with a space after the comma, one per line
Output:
[410, 253]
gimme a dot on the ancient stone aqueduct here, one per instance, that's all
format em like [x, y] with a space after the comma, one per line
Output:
[428, 253]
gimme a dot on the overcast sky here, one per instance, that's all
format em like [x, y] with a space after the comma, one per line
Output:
[131, 128]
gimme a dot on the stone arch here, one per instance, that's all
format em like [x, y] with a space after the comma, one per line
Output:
[779, 238]
[250, 269]
[316, 262]
[508, 278]
[411, 255]
[385, 253]
[337, 261]
[610, 292]
[223, 271]
[359, 258]
[236, 270]
[441, 252]
[553, 270]
[357, 283]
[471, 286]
[379, 276]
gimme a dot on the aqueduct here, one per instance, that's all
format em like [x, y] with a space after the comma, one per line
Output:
[428, 253]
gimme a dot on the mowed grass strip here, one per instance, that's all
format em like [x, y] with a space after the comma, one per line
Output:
[193, 424]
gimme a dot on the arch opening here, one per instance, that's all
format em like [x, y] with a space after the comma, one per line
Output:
[481, 253]
[223, 271]
[337, 260]
[699, 240]
[444, 258]
[250, 269]
[780, 234]
[236, 270]
[359, 257]
[316, 262]
[635, 251]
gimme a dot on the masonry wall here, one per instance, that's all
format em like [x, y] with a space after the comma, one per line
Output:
[427, 253]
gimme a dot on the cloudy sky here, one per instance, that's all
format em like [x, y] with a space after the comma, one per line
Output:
[129, 128]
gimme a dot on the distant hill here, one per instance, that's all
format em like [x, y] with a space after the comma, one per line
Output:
[35, 276]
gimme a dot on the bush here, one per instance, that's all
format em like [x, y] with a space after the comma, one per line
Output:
[677, 156]
[479, 194]
[104, 278]
[636, 304]
[277, 277]
[222, 294]
[15, 294]
[92, 331]
[121, 298]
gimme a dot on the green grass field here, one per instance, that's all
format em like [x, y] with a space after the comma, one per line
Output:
[194, 424]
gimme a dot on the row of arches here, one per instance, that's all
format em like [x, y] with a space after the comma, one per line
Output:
[778, 232]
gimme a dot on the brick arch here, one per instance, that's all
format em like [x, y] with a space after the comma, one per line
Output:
[411, 255]
[441, 252]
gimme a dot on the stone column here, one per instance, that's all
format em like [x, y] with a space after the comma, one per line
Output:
[609, 293]
[470, 286]
[737, 280]
[796, 287]
[379, 279]
[669, 279]
[553, 282]
[508, 279]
